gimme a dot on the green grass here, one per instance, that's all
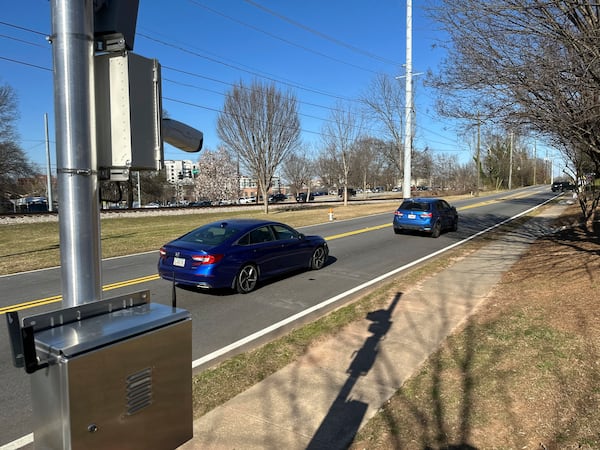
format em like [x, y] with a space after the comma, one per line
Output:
[36, 245]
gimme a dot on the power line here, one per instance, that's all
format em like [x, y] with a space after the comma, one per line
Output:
[322, 35]
[274, 36]
[237, 67]
[18, 27]
[185, 72]
[25, 63]
[22, 41]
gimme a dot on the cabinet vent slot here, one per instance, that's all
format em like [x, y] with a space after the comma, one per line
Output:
[139, 391]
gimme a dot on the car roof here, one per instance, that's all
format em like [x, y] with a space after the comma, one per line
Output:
[422, 199]
[247, 223]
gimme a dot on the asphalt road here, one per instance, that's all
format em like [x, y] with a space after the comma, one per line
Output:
[361, 250]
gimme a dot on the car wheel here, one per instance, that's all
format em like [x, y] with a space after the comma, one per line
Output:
[455, 225]
[436, 230]
[318, 258]
[397, 231]
[246, 279]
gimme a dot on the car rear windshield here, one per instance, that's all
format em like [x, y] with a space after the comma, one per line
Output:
[210, 235]
[415, 206]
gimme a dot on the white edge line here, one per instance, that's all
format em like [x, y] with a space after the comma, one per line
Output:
[28, 439]
[254, 336]
[19, 443]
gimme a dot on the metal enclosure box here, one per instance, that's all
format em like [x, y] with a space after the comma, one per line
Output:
[117, 380]
[128, 114]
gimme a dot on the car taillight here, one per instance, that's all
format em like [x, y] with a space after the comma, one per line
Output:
[200, 260]
[426, 215]
[399, 213]
[163, 252]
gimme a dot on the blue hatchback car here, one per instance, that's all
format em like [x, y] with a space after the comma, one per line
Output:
[429, 215]
[238, 253]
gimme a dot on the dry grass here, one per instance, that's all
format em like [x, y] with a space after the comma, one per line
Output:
[524, 373]
[36, 245]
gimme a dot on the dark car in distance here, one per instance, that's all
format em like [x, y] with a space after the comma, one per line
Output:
[428, 215]
[302, 197]
[275, 198]
[238, 254]
[561, 186]
[351, 192]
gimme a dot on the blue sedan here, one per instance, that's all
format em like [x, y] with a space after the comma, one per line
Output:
[238, 253]
[429, 215]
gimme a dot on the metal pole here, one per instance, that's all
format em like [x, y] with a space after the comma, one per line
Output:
[510, 163]
[79, 215]
[408, 106]
[48, 167]
[139, 190]
[534, 162]
[478, 159]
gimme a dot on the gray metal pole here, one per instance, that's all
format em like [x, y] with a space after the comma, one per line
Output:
[48, 167]
[79, 215]
[510, 162]
[408, 107]
[139, 190]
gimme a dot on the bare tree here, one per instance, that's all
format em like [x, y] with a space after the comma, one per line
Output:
[327, 169]
[527, 64]
[217, 177]
[339, 136]
[153, 185]
[13, 162]
[367, 162]
[260, 124]
[385, 107]
[298, 171]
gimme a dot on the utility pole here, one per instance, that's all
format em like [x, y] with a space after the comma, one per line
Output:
[48, 166]
[477, 158]
[408, 105]
[534, 162]
[139, 190]
[79, 222]
[510, 162]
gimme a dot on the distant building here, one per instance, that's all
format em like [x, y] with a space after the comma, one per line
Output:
[182, 171]
[249, 187]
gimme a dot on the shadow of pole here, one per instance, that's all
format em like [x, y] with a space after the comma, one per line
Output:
[340, 425]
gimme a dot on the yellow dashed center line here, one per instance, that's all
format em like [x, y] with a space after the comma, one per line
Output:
[58, 298]
[120, 284]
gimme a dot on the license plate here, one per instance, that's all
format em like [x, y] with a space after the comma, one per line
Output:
[179, 262]
[412, 216]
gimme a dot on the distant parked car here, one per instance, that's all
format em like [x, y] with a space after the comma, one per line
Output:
[246, 200]
[201, 203]
[429, 215]
[351, 192]
[277, 198]
[561, 186]
[301, 197]
[238, 253]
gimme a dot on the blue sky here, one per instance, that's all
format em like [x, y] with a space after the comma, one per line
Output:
[323, 51]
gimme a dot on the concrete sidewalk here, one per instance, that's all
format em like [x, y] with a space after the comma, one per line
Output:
[322, 400]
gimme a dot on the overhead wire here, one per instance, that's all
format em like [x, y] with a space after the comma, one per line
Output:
[236, 66]
[321, 34]
[274, 36]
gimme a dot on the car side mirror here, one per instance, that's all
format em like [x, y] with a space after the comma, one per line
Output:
[301, 236]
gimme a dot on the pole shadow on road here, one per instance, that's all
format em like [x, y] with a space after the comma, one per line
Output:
[340, 425]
